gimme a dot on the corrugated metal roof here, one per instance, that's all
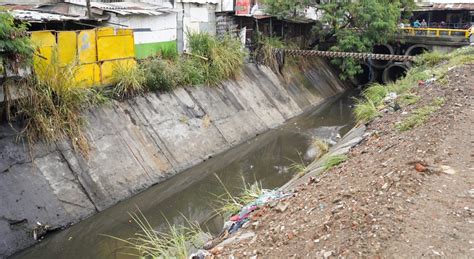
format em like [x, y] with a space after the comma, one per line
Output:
[447, 7]
[128, 8]
[35, 16]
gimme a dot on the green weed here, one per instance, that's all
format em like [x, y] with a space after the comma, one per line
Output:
[431, 58]
[225, 56]
[161, 74]
[149, 243]
[420, 115]
[51, 108]
[322, 145]
[365, 111]
[229, 204]
[375, 93]
[333, 161]
[407, 99]
[128, 80]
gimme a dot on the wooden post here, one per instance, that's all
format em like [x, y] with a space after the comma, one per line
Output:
[88, 5]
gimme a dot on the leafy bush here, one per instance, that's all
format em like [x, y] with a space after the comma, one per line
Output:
[192, 72]
[161, 74]
[128, 79]
[15, 44]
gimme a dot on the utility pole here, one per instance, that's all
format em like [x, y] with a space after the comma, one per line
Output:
[88, 5]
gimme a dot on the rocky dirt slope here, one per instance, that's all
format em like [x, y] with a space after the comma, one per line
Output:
[400, 194]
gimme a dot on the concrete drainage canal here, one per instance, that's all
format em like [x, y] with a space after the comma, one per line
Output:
[265, 159]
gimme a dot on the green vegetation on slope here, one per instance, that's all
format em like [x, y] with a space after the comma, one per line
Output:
[427, 66]
[420, 115]
[333, 161]
[51, 107]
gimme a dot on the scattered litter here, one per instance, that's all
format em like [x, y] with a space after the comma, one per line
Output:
[420, 168]
[200, 254]
[426, 82]
[238, 220]
[447, 169]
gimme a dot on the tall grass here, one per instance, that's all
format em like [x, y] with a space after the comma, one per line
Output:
[224, 57]
[230, 204]
[365, 110]
[149, 243]
[266, 46]
[128, 79]
[212, 60]
[51, 107]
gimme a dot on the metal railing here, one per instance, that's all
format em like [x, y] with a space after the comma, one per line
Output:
[438, 32]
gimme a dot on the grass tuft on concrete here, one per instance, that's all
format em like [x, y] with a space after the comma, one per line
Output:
[128, 79]
[228, 204]
[333, 161]
[322, 145]
[365, 110]
[51, 107]
[149, 243]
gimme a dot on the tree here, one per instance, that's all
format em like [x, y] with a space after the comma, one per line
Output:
[285, 8]
[15, 50]
[355, 26]
[15, 44]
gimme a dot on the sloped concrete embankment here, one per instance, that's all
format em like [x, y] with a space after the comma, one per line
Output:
[143, 141]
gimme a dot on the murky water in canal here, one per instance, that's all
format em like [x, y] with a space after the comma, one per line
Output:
[265, 159]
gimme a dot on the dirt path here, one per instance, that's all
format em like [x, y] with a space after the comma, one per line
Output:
[376, 203]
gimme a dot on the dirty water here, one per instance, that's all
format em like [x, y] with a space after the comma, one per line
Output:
[265, 158]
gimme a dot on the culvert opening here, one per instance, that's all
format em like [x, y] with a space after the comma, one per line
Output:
[366, 77]
[382, 49]
[416, 50]
[394, 72]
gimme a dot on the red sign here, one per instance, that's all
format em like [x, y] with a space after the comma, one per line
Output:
[242, 7]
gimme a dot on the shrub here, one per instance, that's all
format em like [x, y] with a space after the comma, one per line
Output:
[192, 72]
[161, 74]
[128, 79]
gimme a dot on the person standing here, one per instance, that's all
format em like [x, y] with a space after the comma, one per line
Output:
[416, 24]
[424, 24]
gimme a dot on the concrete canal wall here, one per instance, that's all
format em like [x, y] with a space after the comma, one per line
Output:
[143, 141]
